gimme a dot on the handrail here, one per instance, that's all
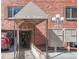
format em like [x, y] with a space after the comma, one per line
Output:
[38, 50]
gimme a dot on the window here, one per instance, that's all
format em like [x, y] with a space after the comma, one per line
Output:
[70, 35]
[71, 13]
[73, 44]
[13, 10]
[11, 34]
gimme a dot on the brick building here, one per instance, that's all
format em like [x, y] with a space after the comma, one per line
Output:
[30, 18]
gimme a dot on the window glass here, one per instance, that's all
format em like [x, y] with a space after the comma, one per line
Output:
[67, 12]
[71, 12]
[73, 44]
[74, 12]
[13, 10]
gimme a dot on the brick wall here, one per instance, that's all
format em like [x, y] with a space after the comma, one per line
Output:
[50, 7]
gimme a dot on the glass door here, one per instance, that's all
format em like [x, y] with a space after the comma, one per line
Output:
[24, 39]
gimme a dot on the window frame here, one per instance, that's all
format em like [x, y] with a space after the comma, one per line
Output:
[11, 10]
[71, 18]
[71, 33]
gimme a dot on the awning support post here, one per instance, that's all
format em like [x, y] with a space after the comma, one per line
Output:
[47, 39]
[14, 42]
[18, 41]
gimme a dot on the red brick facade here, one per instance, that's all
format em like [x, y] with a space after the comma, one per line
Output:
[50, 7]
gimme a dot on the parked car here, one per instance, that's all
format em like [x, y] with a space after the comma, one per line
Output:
[5, 42]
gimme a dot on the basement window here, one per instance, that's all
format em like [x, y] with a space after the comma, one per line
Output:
[73, 44]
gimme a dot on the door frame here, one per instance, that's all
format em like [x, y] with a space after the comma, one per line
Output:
[30, 37]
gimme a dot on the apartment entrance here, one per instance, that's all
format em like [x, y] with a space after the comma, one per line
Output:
[29, 20]
[25, 39]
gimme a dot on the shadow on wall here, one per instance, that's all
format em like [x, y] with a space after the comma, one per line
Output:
[54, 40]
[40, 39]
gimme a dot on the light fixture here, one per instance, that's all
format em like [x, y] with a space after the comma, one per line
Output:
[53, 18]
[57, 20]
[58, 16]
[62, 18]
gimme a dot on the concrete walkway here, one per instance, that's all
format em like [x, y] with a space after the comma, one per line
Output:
[63, 55]
[28, 55]
[23, 55]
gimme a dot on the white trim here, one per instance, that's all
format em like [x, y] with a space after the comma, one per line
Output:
[70, 28]
[70, 18]
[55, 29]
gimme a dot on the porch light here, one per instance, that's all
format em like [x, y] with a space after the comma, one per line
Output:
[58, 16]
[62, 18]
[57, 20]
[53, 19]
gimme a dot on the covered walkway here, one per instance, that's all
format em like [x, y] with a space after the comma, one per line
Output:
[23, 55]
[27, 19]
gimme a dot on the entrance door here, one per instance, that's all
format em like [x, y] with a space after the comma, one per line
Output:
[24, 39]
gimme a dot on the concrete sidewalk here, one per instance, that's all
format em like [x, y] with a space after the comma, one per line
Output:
[62, 55]
[28, 55]
[24, 55]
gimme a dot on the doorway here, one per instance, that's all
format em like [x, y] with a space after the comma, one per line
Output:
[25, 39]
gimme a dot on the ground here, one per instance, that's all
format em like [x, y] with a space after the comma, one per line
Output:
[10, 55]
[63, 55]
[26, 54]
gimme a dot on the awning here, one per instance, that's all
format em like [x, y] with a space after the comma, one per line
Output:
[30, 11]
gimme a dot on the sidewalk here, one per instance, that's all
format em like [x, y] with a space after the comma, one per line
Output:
[63, 55]
[28, 55]
[10, 55]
